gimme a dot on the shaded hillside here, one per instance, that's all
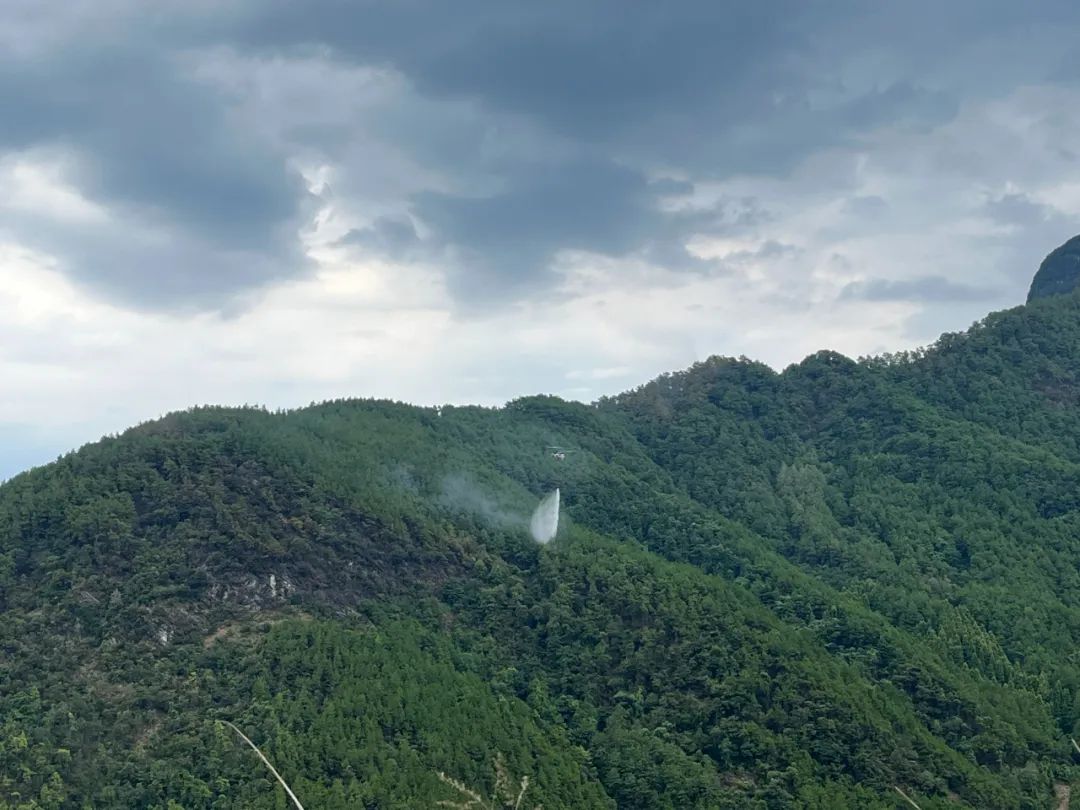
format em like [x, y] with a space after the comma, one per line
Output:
[770, 590]
[1059, 273]
[932, 486]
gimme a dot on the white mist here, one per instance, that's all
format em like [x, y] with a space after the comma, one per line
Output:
[545, 520]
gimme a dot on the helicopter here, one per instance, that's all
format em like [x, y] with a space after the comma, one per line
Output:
[558, 453]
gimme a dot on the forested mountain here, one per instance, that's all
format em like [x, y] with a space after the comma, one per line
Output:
[853, 584]
[1059, 273]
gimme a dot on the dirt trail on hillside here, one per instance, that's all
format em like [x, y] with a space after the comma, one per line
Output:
[1062, 793]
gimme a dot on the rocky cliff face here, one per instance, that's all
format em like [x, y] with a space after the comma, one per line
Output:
[1059, 273]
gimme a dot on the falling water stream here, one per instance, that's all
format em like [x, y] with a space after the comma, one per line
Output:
[545, 520]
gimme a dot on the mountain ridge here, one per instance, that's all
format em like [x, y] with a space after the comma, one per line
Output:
[802, 589]
[1059, 273]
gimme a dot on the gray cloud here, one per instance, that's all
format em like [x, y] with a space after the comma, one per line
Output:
[386, 236]
[203, 209]
[925, 289]
[517, 131]
[867, 206]
[708, 89]
[770, 249]
[717, 87]
[586, 67]
[505, 243]
[1029, 229]
[1017, 209]
[509, 239]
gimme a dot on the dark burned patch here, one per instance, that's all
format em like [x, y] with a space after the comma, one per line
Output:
[144, 737]
[249, 630]
[743, 780]
[1059, 393]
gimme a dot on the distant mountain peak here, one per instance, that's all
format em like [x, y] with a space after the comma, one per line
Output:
[1059, 274]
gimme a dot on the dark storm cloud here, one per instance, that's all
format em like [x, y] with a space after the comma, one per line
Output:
[588, 67]
[716, 87]
[205, 209]
[600, 95]
[507, 241]
[153, 139]
[510, 238]
[707, 89]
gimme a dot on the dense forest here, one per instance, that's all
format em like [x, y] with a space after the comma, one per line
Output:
[852, 584]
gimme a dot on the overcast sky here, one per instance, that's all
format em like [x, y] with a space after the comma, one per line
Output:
[283, 202]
